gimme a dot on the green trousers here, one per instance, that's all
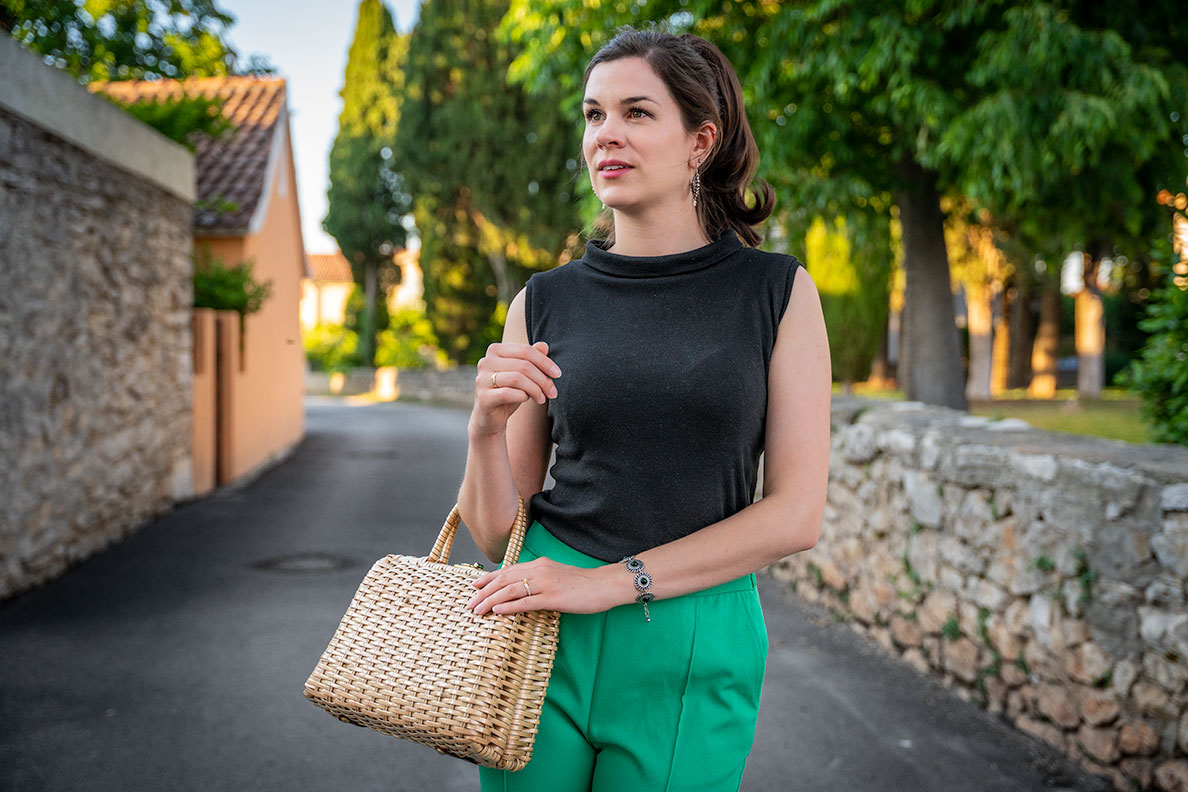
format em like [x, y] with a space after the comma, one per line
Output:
[667, 705]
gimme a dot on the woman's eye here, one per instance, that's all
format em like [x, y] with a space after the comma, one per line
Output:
[593, 115]
[636, 112]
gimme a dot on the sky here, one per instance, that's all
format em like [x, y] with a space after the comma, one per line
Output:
[307, 41]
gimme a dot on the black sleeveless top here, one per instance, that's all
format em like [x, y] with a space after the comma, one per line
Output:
[661, 405]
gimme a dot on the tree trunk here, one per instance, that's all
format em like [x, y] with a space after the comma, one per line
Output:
[930, 358]
[1021, 335]
[881, 372]
[367, 323]
[1002, 344]
[980, 322]
[1047, 341]
[1089, 330]
[506, 288]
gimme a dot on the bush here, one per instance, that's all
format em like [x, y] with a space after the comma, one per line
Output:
[227, 288]
[331, 348]
[408, 342]
[1160, 374]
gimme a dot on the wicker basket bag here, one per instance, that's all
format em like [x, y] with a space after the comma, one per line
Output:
[409, 659]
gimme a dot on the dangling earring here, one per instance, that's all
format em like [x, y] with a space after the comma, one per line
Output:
[604, 204]
[696, 183]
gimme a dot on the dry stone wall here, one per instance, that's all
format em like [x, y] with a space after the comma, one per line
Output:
[1041, 574]
[95, 347]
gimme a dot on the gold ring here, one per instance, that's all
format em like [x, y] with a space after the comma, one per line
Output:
[493, 383]
[527, 588]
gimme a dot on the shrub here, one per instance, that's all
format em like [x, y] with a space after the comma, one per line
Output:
[227, 288]
[331, 348]
[408, 342]
[1160, 373]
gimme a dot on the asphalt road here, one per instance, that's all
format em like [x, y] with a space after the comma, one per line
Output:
[175, 659]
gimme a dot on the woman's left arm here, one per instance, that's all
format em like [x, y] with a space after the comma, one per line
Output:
[786, 520]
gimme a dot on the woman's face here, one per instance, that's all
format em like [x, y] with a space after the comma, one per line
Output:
[636, 147]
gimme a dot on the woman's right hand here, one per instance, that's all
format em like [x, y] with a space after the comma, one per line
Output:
[509, 375]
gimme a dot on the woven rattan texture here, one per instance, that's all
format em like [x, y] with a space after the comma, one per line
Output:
[409, 659]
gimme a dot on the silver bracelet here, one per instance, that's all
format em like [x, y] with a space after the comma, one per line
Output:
[643, 582]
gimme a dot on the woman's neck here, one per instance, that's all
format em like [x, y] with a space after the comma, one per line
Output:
[642, 235]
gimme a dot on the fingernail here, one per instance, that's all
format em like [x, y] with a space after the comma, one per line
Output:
[556, 371]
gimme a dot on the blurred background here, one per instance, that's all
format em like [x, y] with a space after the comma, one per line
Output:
[226, 225]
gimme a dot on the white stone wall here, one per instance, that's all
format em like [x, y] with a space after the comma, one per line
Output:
[1041, 574]
[95, 338]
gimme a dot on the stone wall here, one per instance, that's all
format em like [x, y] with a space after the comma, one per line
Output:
[1041, 574]
[95, 336]
[453, 386]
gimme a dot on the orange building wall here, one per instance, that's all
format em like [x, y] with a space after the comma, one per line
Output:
[267, 414]
[204, 401]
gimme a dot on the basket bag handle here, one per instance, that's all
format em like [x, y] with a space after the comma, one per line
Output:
[445, 540]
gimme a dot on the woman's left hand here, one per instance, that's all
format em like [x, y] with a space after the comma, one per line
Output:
[550, 586]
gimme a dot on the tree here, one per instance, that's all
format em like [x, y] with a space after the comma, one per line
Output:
[1078, 155]
[129, 39]
[367, 197]
[491, 168]
[982, 269]
[858, 105]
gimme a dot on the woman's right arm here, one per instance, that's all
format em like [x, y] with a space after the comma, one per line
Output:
[510, 442]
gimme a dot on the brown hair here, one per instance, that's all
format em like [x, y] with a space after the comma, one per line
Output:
[706, 88]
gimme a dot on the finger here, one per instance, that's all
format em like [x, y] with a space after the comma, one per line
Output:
[537, 391]
[498, 397]
[521, 605]
[513, 591]
[533, 354]
[490, 583]
[494, 373]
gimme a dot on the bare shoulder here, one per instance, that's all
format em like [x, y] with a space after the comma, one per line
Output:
[515, 329]
[803, 314]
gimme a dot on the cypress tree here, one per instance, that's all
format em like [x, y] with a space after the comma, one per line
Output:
[367, 198]
[492, 171]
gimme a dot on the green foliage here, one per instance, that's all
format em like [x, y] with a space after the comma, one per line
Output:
[1085, 576]
[951, 629]
[353, 313]
[129, 39]
[1044, 564]
[330, 347]
[367, 196]
[227, 288]
[408, 342]
[815, 572]
[1060, 118]
[853, 279]
[491, 168]
[182, 119]
[1160, 374]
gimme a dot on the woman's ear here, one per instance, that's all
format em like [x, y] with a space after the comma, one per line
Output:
[703, 143]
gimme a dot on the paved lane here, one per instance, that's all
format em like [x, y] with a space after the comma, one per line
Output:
[175, 660]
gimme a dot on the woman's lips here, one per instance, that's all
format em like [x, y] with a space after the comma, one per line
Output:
[614, 173]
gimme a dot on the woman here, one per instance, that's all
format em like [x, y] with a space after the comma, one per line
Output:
[660, 364]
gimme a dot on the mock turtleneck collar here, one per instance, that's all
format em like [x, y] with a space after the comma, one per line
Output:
[655, 266]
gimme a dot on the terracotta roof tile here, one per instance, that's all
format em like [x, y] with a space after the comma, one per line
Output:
[331, 267]
[233, 168]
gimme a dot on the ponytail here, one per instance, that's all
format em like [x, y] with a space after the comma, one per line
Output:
[730, 169]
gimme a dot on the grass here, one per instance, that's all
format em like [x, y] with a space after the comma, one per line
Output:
[1115, 415]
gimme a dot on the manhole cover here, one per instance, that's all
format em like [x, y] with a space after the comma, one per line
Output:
[305, 563]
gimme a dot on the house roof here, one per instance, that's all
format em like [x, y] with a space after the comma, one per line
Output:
[235, 168]
[329, 267]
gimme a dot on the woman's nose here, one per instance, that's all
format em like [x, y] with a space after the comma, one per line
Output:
[609, 134]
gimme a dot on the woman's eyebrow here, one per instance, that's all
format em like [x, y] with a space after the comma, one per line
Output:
[626, 101]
